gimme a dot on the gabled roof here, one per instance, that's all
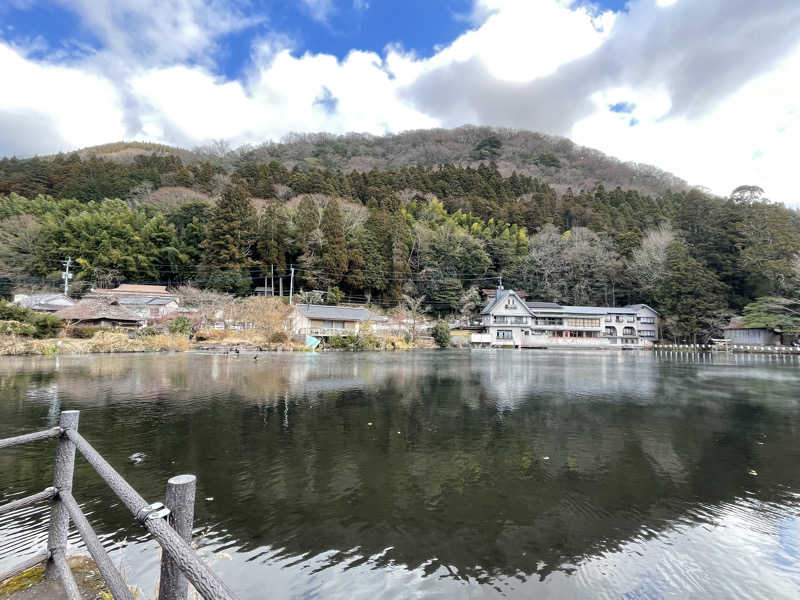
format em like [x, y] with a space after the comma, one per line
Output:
[132, 289]
[334, 313]
[738, 323]
[139, 300]
[50, 302]
[540, 305]
[94, 309]
[500, 297]
[640, 307]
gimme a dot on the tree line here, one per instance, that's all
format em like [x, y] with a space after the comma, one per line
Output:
[438, 232]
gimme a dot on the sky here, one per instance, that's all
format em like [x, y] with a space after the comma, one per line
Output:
[706, 89]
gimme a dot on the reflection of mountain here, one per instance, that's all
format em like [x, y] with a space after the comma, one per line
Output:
[488, 463]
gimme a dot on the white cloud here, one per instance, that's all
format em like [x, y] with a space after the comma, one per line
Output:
[159, 31]
[716, 114]
[79, 107]
[320, 10]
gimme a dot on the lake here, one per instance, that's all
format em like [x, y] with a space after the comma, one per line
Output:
[436, 474]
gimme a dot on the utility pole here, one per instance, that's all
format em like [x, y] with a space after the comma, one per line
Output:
[280, 283]
[291, 284]
[65, 274]
[272, 278]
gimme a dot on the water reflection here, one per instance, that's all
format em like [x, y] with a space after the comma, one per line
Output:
[444, 473]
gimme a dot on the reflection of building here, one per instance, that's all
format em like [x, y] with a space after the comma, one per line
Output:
[507, 320]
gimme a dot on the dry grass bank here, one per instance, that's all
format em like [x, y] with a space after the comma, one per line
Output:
[101, 342]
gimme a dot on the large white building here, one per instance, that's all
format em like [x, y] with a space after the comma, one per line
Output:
[509, 321]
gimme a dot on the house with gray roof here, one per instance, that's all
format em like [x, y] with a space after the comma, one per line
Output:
[509, 321]
[48, 303]
[148, 302]
[323, 321]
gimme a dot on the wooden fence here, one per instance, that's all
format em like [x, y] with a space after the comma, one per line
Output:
[170, 524]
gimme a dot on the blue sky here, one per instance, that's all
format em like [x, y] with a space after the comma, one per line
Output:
[420, 26]
[666, 82]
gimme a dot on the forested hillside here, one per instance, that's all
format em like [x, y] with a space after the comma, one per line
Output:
[226, 220]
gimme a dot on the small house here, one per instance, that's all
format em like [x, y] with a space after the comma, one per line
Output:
[148, 302]
[46, 303]
[99, 312]
[739, 334]
[324, 321]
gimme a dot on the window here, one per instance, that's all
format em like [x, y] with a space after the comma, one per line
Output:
[333, 324]
[648, 333]
[630, 319]
[647, 320]
[628, 331]
[549, 321]
[510, 320]
[510, 303]
[504, 334]
[583, 322]
[611, 332]
[619, 319]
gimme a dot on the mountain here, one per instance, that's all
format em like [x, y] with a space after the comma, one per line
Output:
[553, 160]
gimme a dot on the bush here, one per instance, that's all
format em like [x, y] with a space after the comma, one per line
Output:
[279, 337]
[47, 325]
[43, 325]
[209, 335]
[17, 328]
[334, 296]
[146, 332]
[354, 341]
[180, 325]
[441, 334]
[83, 333]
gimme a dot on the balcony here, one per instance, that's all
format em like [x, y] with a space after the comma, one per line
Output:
[326, 331]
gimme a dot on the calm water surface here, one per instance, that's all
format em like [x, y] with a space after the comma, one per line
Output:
[477, 474]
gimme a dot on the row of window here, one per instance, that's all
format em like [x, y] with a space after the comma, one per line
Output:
[510, 320]
[570, 322]
[583, 322]
[507, 334]
[612, 331]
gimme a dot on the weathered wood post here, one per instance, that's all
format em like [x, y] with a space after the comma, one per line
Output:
[180, 501]
[62, 480]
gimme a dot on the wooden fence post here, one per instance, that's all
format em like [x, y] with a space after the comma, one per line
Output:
[180, 501]
[62, 480]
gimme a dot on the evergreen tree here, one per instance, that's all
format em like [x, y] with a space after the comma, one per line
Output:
[229, 242]
[334, 261]
[691, 296]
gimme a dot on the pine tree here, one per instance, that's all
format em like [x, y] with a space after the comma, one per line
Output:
[334, 249]
[229, 242]
[691, 295]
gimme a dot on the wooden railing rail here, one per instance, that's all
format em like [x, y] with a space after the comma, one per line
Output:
[180, 564]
